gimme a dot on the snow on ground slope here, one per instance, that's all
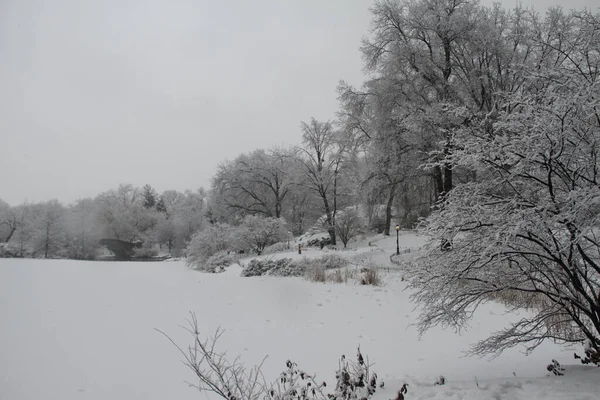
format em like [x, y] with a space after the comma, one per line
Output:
[85, 330]
[580, 383]
[371, 250]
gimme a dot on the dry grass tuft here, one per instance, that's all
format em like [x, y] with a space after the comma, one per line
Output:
[371, 276]
[320, 274]
[316, 274]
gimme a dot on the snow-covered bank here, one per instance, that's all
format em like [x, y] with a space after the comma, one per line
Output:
[580, 383]
[84, 330]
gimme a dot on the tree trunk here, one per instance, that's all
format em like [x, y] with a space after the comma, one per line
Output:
[406, 204]
[447, 179]
[12, 231]
[335, 207]
[388, 210]
[277, 208]
[83, 245]
[438, 182]
[370, 210]
[21, 243]
[47, 244]
[329, 216]
[331, 231]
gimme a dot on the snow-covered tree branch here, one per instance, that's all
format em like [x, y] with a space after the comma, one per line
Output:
[525, 232]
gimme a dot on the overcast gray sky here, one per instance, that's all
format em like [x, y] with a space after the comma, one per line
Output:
[97, 93]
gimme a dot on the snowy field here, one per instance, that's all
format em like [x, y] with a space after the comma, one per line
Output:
[85, 330]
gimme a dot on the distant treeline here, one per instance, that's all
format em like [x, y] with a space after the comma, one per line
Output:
[51, 229]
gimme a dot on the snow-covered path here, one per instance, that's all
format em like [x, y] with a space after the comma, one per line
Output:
[85, 330]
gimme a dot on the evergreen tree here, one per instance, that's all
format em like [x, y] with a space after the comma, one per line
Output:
[149, 197]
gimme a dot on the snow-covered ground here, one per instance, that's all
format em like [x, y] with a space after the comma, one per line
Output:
[85, 330]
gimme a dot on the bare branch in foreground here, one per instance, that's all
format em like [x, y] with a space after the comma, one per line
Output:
[230, 380]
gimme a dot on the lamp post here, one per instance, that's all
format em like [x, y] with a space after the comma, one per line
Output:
[397, 242]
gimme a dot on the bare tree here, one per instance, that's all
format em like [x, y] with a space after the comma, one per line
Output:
[82, 230]
[49, 225]
[322, 157]
[255, 183]
[8, 221]
[414, 46]
[257, 233]
[25, 228]
[348, 225]
[374, 119]
[121, 214]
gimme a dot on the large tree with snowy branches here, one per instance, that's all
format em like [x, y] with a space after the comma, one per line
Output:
[526, 231]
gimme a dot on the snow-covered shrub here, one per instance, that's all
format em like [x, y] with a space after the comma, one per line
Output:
[329, 267]
[214, 238]
[256, 268]
[232, 380]
[591, 355]
[354, 380]
[217, 262]
[321, 242]
[11, 250]
[400, 394]
[257, 233]
[295, 384]
[261, 267]
[556, 368]
[286, 267]
[332, 261]
[277, 248]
